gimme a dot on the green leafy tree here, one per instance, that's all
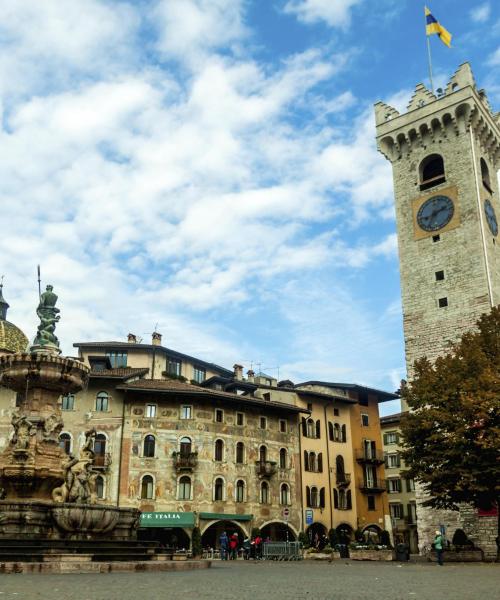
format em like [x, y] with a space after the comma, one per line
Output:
[452, 432]
[196, 546]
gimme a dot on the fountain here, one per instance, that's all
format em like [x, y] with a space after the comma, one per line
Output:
[46, 494]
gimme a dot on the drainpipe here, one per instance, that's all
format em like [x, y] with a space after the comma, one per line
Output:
[329, 473]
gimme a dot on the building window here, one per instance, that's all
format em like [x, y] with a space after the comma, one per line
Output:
[240, 453]
[283, 458]
[149, 446]
[311, 428]
[336, 412]
[99, 486]
[282, 425]
[240, 419]
[330, 431]
[219, 415]
[147, 488]
[150, 411]
[412, 513]
[431, 171]
[310, 407]
[396, 510]
[219, 490]
[267, 396]
[391, 437]
[439, 275]
[392, 461]
[219, 451]
[284, 494]
[65, 442]
[371, 502]
[262, 454]
[443, 302]
[485, 175]
[264, 493]
[174, 367]
[185, 446]
[68, 402]
[102, 402]
[410, 485]
[240, 491]
[314, 497]
[364, 420]
[313, 465]
[118, 360]
[393, 486]
[186, 412]
[343, 437]
[199, 374]
[263, 423]
[184, 492]
[436, 238]
[100, 450]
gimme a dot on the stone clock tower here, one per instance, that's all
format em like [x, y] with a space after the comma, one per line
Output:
[445, 153]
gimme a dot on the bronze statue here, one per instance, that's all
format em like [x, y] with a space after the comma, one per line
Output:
[49, 316]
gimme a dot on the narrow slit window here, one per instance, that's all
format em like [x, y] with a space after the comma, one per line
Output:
[439, 275]
[443, 302]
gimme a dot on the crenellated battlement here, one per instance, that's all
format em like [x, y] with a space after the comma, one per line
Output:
[433, 119]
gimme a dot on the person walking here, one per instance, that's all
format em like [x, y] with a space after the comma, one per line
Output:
[247, 546]
[439, 547]
[233, 546]
[224, 545]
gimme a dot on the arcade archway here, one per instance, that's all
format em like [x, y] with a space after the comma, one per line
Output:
[171, 537]
[210, 536]
[277, 531]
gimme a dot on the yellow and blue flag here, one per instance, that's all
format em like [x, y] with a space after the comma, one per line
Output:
[433, 26]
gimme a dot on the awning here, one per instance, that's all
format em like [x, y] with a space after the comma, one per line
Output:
[167, 519]
[206, 516]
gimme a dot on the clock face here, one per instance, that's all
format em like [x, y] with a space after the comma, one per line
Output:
[435, 213]
[491, 217]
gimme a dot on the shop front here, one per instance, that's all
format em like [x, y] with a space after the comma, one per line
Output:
[171, 529]
[212, 526]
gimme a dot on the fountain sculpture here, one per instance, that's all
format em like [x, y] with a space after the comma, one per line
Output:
[44, 492]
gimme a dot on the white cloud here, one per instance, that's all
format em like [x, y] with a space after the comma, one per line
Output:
[481, 13]
[494, 59]
[336, 13]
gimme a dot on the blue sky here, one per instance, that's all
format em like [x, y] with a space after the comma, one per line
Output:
[208, 168]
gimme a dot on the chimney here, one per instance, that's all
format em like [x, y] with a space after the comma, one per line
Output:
[132, 338]
[238, 372]
[250, 375]
[156, 341]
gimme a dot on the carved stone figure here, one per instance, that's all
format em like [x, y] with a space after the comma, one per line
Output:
[23, 430]
[52, 427]
[48, 315]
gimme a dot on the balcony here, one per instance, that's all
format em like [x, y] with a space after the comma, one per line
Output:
[102, 461]
[372, 487]
[374, 457]
[185, 461]
[343, 480]
[265, 468]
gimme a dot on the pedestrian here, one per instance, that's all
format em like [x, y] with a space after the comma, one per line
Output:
[247, 546]
[224, 545]
[439, 547]
[233, 546]
[258, 547]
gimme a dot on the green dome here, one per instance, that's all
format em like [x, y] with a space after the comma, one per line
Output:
[12, 339]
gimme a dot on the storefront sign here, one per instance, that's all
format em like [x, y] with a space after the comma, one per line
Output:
[206, 516]
[167, 519]
[309, 516]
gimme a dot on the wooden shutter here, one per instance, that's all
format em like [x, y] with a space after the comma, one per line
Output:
[318, 429]
[308, 496]
[322, 498]
[320, 462]
[386, 437]
[306, 461]
[344, 433]
[335, 498]
[349, 500]
[304, 427]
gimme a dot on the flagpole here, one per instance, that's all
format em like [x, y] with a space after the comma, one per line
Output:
[429, 52]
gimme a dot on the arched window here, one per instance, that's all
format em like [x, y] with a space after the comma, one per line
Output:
[312, 462]
[262, 454]
[311, 429]
[344, 434]
[431, 171]
[339, 462]
[99, 486]
[219, 450]
[330, 431]
[336, 432]
[219, 489]
[240, 491]
[342, 500]
[284, 494]
[184, 492]
[283, 458]
[147, 488]
[240, 453]
[149, 446]
[65, 442]
[485, 175]
[264, 493]
[100, 450]
[314, 497]
[102, 402]
[68, 402]
[185, 446]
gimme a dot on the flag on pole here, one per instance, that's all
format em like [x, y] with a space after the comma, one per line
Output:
[433, 26]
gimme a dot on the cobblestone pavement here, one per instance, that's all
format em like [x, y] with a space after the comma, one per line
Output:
[270, 581]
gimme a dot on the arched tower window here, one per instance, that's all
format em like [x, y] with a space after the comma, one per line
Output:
[184, 488]
[149, 446]
[314, 497]
[485, 175]
[65, 442]
[99, 486]
[147, 487]
[240, 491]
[240, 453]
[102, 402]
[100, 450]
[283, 458]
[285, 494]
[219, 489]
[339, 461]
[185, 446]
[431, 171]
[264, 492]
[311, 428]
[330, 431]
[219, 450]
[262, 454]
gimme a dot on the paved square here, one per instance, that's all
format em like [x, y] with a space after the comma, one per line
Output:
[270, 581]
